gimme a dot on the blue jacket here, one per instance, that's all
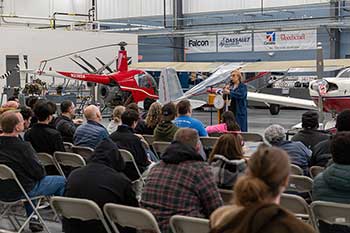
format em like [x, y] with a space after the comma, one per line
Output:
[333, 184]
[240, 96]
[90, 134]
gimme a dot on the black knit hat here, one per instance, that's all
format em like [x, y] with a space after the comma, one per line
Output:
[168, 111]
[309, 120]
[343, 121]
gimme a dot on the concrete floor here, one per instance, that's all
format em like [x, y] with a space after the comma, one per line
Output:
[258, 120]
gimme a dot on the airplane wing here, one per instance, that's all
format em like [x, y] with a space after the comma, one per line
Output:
[281, 100]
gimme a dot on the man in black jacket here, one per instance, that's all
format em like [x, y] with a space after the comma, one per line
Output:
[101, 181]
[42, 136]
[65, 123]
[125, 138]
[22, 159]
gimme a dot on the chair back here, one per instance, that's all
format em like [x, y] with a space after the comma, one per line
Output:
[184, 224]
[226, 195]
[126, 216]
[252, 137]
[330, 212]
[296, 205]
[68, 159]
[46, 159]
[76, 208]
[208, 142]
[160, 147]
[149, 138]
[128, 157]
[296, 170]
[315, 170]
[85, 152]
[300, 184]
[68, 146]
[6, 173]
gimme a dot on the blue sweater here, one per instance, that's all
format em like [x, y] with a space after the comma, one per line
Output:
[90, 134]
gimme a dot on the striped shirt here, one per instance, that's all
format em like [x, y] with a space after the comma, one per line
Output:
[90, 134]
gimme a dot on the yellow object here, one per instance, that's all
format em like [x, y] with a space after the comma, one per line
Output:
[211, 98]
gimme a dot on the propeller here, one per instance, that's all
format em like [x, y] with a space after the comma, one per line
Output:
[88, 63]
[81, 66]
[104, 66]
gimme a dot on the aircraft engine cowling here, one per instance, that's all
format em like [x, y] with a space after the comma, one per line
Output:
[112, 95]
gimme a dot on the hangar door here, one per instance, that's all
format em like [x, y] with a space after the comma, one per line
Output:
[13, 80]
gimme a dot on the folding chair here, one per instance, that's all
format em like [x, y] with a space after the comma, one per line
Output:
[330, 212]
[85, 152]
[129, 158]
[184, 224]
[252, 137]
[226, 195]
[296, 170]
[160, 147]
[68, 159]
[300, 184]
[149, 139]
[296, 205]
[315, 170]
[7, 173]
[127, 216]
[208, 142]
[68, 146]
[46, 159]
[76, 208]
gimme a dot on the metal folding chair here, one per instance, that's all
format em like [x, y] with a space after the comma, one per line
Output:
[129, 158]
[68, 159]
[296, 170]
[7, 173]
[149, 139]
[300, 184]
[68, 146]
[330, 212]
[226, 195]
[76, 208]
[85, 152]
[126, 216]
[208, 142]
[160, 147]
[296, 205]
[315, 170]
[252, 137]
[184, 224]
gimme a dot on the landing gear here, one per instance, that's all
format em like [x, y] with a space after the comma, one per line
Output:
[274, 109]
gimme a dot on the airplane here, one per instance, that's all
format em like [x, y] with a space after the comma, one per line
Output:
[116, 88]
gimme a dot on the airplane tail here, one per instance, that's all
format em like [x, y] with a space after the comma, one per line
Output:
[170, 89]
[21, 68]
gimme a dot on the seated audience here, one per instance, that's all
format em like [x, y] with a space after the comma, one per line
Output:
[22, 159]
[298, 153]
[166, 130]
[310, 135]
[184, 119]
[65, 123]
[101, 181]
[226, 160]
[322, 152]
[152, 119]
[116, 119]
[333, 184]
[146, 105]
[182, 183]
[27, 115]
[11, 104]
[256, 198]
[92, 132]
[42, 136]
[228, 124]
[125, 138]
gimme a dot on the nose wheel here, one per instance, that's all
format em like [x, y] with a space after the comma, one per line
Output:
[274, 109]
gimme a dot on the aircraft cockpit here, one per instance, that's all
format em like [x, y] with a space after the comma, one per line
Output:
[344, 73]
[146, 80]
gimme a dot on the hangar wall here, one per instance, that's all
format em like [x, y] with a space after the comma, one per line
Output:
[45, 44]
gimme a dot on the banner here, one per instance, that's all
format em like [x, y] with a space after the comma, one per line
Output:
[285, 40]
[235, 43]
[200, 44]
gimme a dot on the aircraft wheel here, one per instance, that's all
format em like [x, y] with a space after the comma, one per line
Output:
[274, 109]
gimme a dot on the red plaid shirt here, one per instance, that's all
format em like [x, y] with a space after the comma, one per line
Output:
[187, 189]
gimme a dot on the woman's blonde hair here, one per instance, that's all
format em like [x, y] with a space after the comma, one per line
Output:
[154, 115]
[117, 113]
[240, 75]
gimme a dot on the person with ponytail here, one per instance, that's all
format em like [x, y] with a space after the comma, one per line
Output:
[255, 206]
[228, 125]
[116, 119]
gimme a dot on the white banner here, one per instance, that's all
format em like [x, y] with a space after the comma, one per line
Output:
[235, 43]
[285, 40]
[200, 44]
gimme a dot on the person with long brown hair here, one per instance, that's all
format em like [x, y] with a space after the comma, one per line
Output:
[226, 160]
[152, 119]
[256, 199]
[228, 124]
